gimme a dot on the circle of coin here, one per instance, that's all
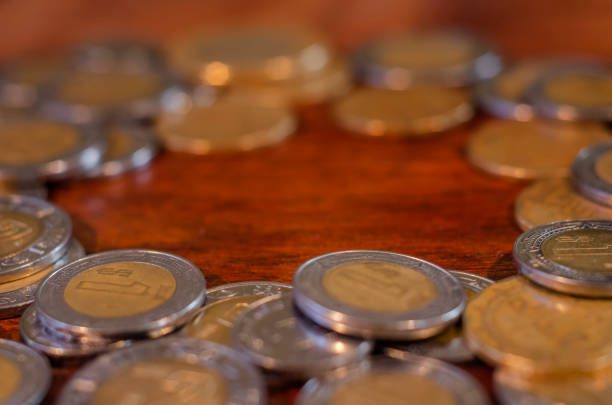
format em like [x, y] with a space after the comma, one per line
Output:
[418, 111]
[34, 234]
[592, 173]
[572, 388]
[26, 375]
[573, 257]
[121, 293]
[376, 294]
[417, 381]
[449, 345]
[532, 149]
[16, 295]
[272, 335]
[169, 371]
[111, 55]
[548, 323]
[555, 200]
[440, 58]
[29, 188]
[223, 304]
[225, 126]
[39, 148]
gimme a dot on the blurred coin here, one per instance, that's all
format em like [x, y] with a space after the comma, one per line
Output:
[121, 293]
[439, 58]
[572, 257]
[449, 345]
[530, 150]
[223, 304]
[415, 112]
[34, 234]
[592, 173]
[167, 371]
[272, 335]
[554, 200]
[377, 294]
[517, 324]
[225, 126]
[26, 375]
[117, 54]
[416, 381]
[31, 189]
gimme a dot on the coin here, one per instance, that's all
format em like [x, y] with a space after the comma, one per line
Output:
[449, 345]
[272, 335]
[517, 324]
[417, 380]
[554, 200]
[169, 371]
[223, 304]
[571, 388]
[530, 150]
[229, 126]
[30, 189]
[573, 257]
[34, 234]
[26, 375]
[592, 173]
[121, 293]
[104, 56]
[419, 111]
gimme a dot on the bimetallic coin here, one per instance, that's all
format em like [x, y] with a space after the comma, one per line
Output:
[573, 257]
[167, 371]
[416, 381]
[592, 173]
[274, 336]
[121, 293]
[112, 55]
[449, 345]
[34, 234]
[530, 150]
[26, 375]
[30, 189]
[378, 294]
[517, 324]
[419, 111]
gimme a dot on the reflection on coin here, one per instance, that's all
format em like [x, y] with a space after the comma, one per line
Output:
[223, 304]
[272, 335]
[104, 56]
[554, 200]
[418, 111]
[449, 345]
[574, 257]
[569, 389]
[517, 324]
[417, 381]
[34, 234]
[169, 371]
[26, 375]
[120, 293]
[529, 150]
[225, 126]
[592, 173]
[378, 294]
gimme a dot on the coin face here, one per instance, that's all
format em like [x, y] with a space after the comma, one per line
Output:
[26, 375]
[592, 173]
[11, 377]
[418, 111]
[17, 231]
[549, 324]
[529, 150]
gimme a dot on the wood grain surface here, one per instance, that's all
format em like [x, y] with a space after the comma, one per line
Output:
[259, 215]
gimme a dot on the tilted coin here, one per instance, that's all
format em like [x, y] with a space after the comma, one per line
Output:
[554, 200]
[104, 56]
[449, 345]
[274, 336]
[592, 173]
[419, 111]
[26, 375]
[416, 381]
[532, 149]
[223, 304]
[31, 189]
[573, 257]
[377, 294]
[34, 234]
[121, 293]
[518, 324]
[167, 371]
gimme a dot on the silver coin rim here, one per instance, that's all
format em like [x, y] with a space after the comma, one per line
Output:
[35, 373]
[586, 179]
[243, 289]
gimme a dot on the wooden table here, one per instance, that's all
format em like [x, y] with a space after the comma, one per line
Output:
[258, 215]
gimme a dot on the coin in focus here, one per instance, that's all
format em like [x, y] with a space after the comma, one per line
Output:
[592, 173]
[26, 375]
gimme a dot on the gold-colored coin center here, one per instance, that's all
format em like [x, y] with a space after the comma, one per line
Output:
[379, 286]
[11, 377]
[603, 167]
[425, 53]
[512, 84]
[120, 143]
[588, 250]
[585, 90]
[17, 232]
[119, 289]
